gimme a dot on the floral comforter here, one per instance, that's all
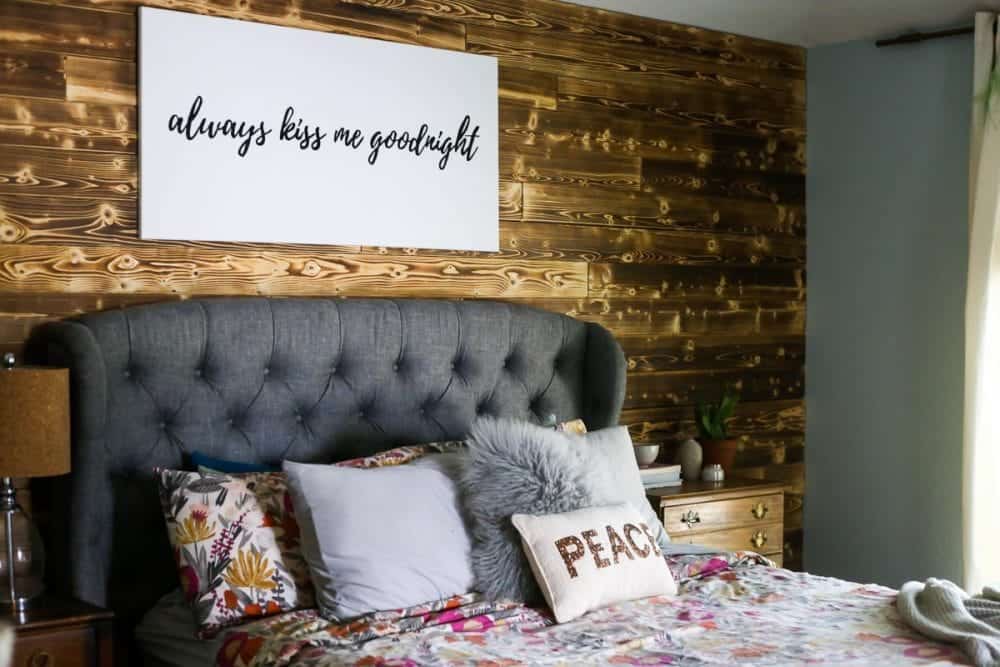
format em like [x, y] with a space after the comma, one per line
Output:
[731, 609]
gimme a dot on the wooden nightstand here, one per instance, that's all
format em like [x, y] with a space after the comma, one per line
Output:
[56, 632]
[737, 514]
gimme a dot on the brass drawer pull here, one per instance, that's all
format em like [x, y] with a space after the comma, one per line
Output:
[758, 539]
[759, 510]
[41, 659]
[690, 518]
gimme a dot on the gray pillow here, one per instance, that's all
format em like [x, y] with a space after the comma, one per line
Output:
[380, 538]
[514, 467]
[612, 451]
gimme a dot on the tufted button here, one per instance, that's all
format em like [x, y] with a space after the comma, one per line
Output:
[506, 362]
[230, 422]
[361, 414]
[423, 411]
[298, 417]
[395, 368]
[163, 425]
[267, 370]
[333, 369]
[127, 373]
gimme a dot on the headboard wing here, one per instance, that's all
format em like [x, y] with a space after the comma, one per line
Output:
[257, 379]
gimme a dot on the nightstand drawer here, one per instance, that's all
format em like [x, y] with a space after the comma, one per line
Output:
[722, 514]
[64, 647]
[764, 538]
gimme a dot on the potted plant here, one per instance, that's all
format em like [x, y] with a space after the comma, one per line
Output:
[711, 418]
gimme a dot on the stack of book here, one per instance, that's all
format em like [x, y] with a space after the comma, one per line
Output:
[660, 474]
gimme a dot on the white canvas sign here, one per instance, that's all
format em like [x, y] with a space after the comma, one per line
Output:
[260, 133]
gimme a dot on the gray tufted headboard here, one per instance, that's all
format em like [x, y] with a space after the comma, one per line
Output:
[261, 380]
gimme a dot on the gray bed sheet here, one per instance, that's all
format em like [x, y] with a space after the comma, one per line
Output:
[166, 635]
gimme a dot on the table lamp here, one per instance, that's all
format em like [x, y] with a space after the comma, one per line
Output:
[34, 442]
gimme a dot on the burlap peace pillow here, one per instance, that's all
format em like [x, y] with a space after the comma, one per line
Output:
[593, 557]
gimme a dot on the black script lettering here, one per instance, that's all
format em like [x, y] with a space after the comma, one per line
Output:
[191, 127]
[352, 138]
[464, 142]
[376, 145]
[295, 130]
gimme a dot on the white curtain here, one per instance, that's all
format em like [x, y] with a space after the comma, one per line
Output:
[981, 491]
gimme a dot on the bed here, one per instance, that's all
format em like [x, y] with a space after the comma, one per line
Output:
[322, 380]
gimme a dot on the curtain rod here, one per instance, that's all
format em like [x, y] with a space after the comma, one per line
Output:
[913, 37]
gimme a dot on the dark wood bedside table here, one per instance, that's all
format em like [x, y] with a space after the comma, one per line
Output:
[58, 632]
[736, 514]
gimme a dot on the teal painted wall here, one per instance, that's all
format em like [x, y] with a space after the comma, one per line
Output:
[887, 206]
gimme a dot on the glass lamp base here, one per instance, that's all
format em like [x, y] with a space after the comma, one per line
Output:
[26, 589]
[21, 552]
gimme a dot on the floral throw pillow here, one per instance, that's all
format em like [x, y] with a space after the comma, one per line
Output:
[236, 544]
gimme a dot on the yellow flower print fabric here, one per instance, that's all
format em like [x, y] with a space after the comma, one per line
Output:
[236, 544]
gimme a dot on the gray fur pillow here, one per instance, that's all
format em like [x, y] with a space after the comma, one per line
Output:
[515, 467]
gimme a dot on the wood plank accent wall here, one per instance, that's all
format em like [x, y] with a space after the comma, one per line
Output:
[652, 180]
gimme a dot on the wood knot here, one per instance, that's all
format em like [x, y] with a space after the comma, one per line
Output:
[124, 263]
[310, 269]
[9, 232]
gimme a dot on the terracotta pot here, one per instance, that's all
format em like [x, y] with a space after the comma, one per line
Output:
[722, 452]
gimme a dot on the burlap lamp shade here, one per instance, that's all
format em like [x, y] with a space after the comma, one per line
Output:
[34, 422]
[34, 442]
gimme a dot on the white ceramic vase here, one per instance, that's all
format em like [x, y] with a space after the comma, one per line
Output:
[689, 456]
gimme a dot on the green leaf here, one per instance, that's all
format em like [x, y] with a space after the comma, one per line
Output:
[703, 420]
[711, 428]
[727, 408]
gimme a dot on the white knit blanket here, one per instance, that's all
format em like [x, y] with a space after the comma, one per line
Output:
[942, 611]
